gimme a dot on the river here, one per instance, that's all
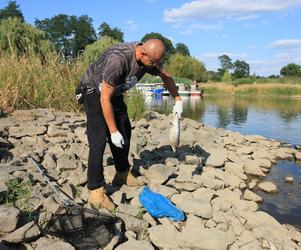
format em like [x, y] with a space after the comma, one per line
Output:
[276, 118]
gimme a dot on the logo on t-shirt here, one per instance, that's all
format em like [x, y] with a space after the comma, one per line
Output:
[130, 83]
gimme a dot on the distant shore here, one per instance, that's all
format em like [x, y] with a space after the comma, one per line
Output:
[270, 89]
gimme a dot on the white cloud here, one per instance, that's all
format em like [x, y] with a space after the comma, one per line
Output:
[286, 43]
[131, 25]
[248, 17]
[215, 55]
[265, 66]
[216, 9]
[201, 27]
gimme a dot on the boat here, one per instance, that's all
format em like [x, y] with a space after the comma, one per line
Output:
[150, 89]
[186, 90]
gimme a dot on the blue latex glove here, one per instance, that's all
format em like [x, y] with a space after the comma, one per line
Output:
[159, 206]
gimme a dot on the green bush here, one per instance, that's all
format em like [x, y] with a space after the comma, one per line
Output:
[242, 81]
[136, 104]
[95, 50]
[18, 37]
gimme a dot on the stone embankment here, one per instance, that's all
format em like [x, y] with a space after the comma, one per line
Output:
[213, 178]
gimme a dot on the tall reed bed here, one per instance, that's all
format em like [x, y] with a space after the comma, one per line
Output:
[273, 89]
[29, 81]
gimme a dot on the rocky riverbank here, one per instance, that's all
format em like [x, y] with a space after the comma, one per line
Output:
[212, 177]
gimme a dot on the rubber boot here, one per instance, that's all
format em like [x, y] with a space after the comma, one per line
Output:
[99, 199]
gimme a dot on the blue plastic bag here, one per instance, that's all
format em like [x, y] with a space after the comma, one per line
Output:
[159, 206]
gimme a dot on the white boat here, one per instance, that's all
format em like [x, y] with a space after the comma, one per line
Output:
[150, 89]
[186, 90]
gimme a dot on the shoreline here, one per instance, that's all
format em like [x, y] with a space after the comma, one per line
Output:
[207, 178]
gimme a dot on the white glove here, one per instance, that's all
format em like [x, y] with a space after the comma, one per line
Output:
[117, 139]
[178, 108]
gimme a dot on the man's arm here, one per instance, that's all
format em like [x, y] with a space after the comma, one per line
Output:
[107, 109]
[170, 85]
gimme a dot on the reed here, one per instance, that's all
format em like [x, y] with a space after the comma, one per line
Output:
[136, 104]
[29, 81]
[271, 89]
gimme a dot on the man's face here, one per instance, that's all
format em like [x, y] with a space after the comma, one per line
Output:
[148, 61]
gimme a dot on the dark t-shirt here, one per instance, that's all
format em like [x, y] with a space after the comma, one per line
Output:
[118, 67]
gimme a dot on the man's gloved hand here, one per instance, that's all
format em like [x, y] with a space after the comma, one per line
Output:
[178, 108]
[117, 139]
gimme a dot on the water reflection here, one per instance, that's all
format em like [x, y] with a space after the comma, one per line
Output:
[278, 118]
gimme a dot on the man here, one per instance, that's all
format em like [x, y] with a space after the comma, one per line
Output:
[100, 91]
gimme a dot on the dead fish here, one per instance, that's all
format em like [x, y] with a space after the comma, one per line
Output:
[174, 132]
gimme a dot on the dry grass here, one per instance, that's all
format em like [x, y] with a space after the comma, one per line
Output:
[29, 82]
[282, 89]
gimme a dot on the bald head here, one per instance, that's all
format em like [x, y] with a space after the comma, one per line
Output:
[154, 48]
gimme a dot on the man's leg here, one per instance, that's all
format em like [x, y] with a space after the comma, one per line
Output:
[120, 155]
[96, 133]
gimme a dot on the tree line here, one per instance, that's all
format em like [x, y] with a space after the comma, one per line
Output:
[73, 36]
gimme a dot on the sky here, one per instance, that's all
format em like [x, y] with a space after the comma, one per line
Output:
[264, 33]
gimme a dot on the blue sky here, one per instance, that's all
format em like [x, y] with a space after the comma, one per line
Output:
[264, 33]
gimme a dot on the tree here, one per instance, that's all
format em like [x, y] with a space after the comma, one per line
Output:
[187, 67]
[291, 69]
[106, 30]
[70, 34]
[96, 49]
[225, 62]
[10, 11]
[167, 42]
[241, 69]
[16, 36]
[182, 49]
[226, 77]
[213, 76]
[198, 70]
[84, 34]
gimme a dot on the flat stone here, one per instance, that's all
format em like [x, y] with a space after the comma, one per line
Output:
[251, 168]
[50, 244]
[163, 189]
[67, 162]
[172, 162]
[235, 169]
[128, 209]
[244, 150]
[189, 204]
[159, 173]
[216, 160]
[132, 223]
[268, 187]
[250, 196]
[283, 153]
[164, 236]
[56, 131]
[135, 245]
[8, 218]
[26, 233]
[203, 238]
[289, 179]
[27, 130]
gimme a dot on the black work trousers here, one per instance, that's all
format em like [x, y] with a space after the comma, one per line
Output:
[98, 134]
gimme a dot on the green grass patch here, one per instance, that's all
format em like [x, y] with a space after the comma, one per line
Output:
[19, 194]
[136, 104]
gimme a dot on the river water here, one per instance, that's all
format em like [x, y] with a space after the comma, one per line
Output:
[277, 118]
